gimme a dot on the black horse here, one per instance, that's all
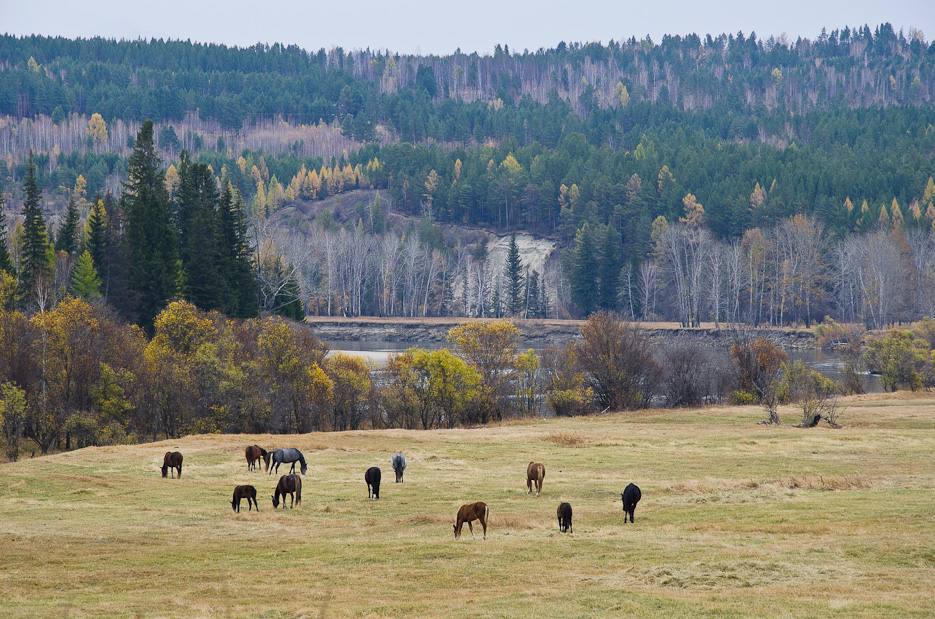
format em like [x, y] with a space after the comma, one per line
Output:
[372, 477]
[631, 496]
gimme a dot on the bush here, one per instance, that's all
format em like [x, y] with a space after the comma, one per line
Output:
[617, 363]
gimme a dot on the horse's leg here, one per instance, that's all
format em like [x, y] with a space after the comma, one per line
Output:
[528, 485]
[471, 527]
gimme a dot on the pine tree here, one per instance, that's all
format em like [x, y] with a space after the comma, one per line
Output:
[85, 283]
[153, 274]
[36, 262]
[236, 263]
[532, 296]
[96, 231]
[203, 282]
[68, 231]
[6, 261]
[514, 277]
[584, 290]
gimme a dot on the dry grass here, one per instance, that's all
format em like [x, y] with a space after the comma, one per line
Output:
[736, 520]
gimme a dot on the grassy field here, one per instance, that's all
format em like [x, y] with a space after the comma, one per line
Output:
[736, 520]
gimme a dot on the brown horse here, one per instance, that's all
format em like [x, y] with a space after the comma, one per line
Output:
[172, 460]
[254, 453]
[535, 473]
[291, 485]
[469, 513]
[245, 492]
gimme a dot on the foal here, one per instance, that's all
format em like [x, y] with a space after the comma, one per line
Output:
[244, 492]
[469, 513]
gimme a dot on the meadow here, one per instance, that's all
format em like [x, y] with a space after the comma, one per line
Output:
[736, 520]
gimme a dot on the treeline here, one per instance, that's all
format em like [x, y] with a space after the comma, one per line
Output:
[163, 80]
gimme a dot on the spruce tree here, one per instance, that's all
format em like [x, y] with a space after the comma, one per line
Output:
[96, 232]
[609, 265]
[6, 261]
[85, 283]
[514, 277]
[66, 240]
[584, 291]
[36, 260]
[532, 296]
[153, 274]
[199, 228]
[237, 257]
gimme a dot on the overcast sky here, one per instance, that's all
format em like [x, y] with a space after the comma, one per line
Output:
[417, 26]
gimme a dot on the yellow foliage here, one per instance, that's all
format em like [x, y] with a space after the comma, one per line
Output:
[172, 179]
[97, 129]
[182, 328]
[694, 211]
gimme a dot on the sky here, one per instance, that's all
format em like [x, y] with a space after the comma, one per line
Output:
[441, 27]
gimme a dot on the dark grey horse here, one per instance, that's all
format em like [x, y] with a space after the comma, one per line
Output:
[293, 455]
[399, 465]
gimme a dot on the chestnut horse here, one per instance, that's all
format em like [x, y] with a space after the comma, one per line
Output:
[469, 513]
[254, 453]
[245, 492]
[291, 485]
[535, 473]
[172, 460]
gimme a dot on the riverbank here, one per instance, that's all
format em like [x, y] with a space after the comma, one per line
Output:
[537, 333]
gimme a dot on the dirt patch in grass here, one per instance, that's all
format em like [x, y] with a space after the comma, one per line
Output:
[565, 439]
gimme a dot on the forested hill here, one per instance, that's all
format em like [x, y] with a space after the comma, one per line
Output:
[162, 80]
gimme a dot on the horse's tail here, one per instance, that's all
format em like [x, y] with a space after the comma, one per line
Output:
[540, 473]
[486, 512]
[298, 490]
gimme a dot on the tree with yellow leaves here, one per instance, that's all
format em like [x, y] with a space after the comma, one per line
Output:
[491, 349]
[97, 129]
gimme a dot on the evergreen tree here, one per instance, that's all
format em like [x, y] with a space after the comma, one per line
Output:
[584, 290]
[85, 283]
[68, 231]
[289, 299]
[532, 296]
[96, 232]
[6, 261]
[609, 265]
[236, 264]
[153, 269]
[514, 277]
[114, 269]
[199, 229]
[36, 261]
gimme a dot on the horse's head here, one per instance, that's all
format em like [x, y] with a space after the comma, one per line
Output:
[457, 532]
[304, 468]
[275, 501]
[165, 470]
[233, 507]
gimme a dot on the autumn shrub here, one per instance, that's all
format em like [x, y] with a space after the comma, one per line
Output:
[759, 364]
[693, 373]
[565, 391]
[489, 347]
[616, 360]
[898, 357]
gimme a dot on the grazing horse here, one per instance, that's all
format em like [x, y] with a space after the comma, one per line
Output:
[399, 465]
[254, 453]
[293, 455]
[291, 485]
[535, 473]
[564, 518]
[631, 496]
[469, 513]
[172, 460]
[245, 492]
[372, 477]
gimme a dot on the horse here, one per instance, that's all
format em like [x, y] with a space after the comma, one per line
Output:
[291, 485]
[172, 460]
[535, 472]
[278, 456]
[631, 496]
[469, 513]
[372, 477]
[245, 492]
[399, 465]
[564, 517]
[254, 453]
